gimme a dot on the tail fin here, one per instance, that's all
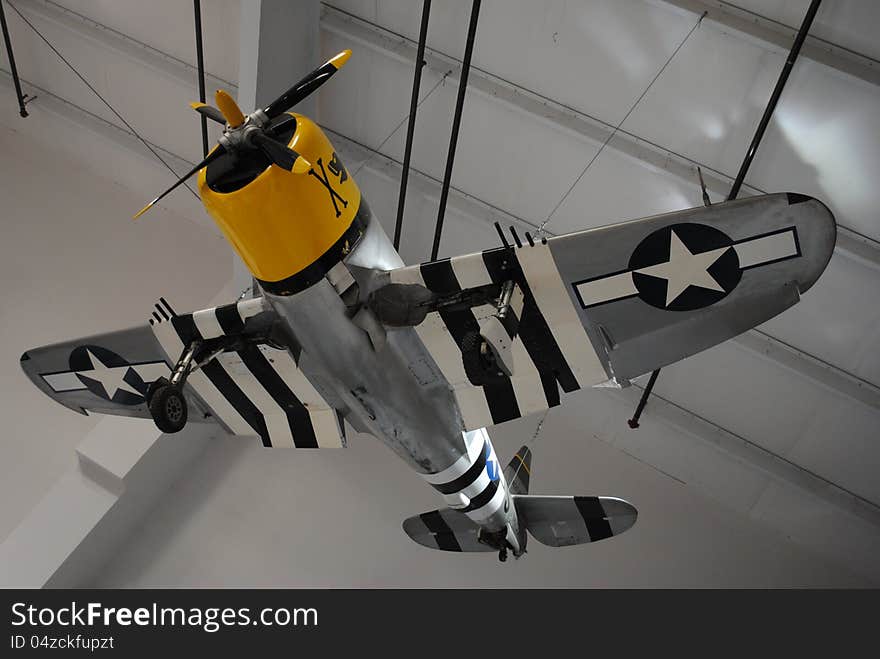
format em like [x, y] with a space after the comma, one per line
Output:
[519, 470]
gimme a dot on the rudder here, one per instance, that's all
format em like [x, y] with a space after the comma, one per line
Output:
[518, 471]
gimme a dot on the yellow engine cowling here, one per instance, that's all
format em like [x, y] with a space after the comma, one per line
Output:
[290, 229]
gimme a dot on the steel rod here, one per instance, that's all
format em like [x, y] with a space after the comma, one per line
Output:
[774, 98]
[22, 110]
[411, 126]
[200, 61]
[456, 123]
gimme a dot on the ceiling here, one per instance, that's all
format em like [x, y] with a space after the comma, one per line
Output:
[778, 428]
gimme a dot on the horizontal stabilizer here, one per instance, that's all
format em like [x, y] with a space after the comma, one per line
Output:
[564, 521]
[446, 529]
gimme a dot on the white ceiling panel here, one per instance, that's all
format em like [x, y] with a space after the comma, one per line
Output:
[558, 49]
[848, 23]
[838, 319]
[744, 393]
[841, 445]
[153, 102]
[169, 26]
[822, 141]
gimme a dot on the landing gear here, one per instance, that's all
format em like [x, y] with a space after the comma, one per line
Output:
[502, 554]
[168, 408]
[165, 398]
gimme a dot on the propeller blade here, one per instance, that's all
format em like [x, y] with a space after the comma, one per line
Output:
[281, 155]
[211, 157]
[307, 85]
[231, 112]
[281, 124]
[207, 111]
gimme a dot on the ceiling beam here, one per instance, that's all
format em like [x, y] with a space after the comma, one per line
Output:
[565, 118]
[772, 464]
[169, 65]
[728, 15]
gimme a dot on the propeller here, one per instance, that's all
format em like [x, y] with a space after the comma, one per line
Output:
[259, 130]
[211, 157]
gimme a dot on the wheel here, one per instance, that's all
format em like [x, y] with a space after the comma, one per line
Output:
[478, 360]
[168, 408]
[502, 555]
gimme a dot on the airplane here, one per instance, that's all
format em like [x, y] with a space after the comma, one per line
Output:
[426, 357]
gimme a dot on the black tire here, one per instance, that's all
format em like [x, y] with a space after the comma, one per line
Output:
[168, 408]
[479, 364]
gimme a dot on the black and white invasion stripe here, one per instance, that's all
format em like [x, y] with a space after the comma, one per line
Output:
[474, 484]
[550, 347]
[257, 390]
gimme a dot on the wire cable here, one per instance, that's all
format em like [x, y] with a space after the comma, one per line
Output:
[378, 149]
[617, 128]
[96, 93]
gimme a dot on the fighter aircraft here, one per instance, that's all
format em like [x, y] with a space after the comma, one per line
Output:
[426, 357]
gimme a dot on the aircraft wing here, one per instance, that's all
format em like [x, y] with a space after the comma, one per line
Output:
[252, 389]
[605, 305]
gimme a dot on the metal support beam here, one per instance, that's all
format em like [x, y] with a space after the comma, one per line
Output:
[456, 124]
[752, 24]
[411, 124]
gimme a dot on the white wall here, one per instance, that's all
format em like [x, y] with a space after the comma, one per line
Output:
[72, 264]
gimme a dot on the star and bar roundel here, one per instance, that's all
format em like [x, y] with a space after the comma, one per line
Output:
[107, 375]
[687, 266]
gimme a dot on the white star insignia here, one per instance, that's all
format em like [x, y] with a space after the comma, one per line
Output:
[110, 377]
[685, 269]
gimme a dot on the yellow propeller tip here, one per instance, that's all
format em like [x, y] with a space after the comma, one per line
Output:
[195, 105]
[229, 108]
[143, 210]
[301, 166]
[340, 59]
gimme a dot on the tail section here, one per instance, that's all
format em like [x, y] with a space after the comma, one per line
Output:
[555, 521]
[573, 520]
[518, 471]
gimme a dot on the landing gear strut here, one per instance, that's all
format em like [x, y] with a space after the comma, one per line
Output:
[165, 398]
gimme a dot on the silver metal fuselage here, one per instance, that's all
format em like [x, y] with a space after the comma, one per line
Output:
[395, 392]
